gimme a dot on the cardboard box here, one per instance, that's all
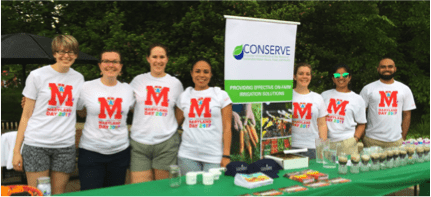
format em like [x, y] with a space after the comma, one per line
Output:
[289, 159]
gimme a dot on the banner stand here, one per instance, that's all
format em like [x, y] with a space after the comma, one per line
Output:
[259, 60]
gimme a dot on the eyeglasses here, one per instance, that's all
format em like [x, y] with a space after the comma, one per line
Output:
[338, 75]
[71, 53]
[107, 61]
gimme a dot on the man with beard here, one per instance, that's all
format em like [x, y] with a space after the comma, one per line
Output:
[389, 103]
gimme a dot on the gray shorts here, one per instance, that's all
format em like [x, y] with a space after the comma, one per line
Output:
[38, 159]
[158, 156]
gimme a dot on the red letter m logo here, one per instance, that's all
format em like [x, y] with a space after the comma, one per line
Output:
[302, 108]
[389, 98]
[157, 96]
[111, 106]
[203, 104]
[336, 105]
[61, 92]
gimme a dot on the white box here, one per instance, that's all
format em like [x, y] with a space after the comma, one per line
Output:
[288, 160]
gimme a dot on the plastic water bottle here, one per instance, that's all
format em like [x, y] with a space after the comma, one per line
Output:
[174, 176]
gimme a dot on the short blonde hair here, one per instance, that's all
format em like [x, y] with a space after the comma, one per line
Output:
[65, 41]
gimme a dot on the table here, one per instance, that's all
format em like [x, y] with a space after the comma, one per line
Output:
[372, 183]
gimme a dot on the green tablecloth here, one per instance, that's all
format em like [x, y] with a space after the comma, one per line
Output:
[365, 183]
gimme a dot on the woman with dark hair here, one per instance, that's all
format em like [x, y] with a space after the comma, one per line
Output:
[309, 112]
[47, 126]
[207, 115]
[346, 109]
[154, 137]
[104, 153]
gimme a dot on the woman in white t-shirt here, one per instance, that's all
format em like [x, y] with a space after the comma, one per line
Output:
[346, 112]
[104, 153]
[47, 126]
[207, 115]
[309, 112]
[154, 137]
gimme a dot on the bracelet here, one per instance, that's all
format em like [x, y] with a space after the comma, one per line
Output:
[226, 156]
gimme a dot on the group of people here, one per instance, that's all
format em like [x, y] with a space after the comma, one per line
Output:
[382, 110]
[54, 93]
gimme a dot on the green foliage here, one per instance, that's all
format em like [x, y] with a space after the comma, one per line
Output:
[419, 130]
[11, 104]
[358, 34]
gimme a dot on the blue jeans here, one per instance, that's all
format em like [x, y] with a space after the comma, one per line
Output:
[189, 165]
[311, 153]
[97, 170]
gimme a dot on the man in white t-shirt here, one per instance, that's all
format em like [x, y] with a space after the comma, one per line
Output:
[389, 103]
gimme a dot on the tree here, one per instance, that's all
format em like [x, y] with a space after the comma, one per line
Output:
[358, 34]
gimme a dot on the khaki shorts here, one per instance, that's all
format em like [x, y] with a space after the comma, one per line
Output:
[158, 156]
[373, 142]
[348, 146]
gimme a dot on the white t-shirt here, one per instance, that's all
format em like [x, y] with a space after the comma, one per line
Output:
[52, 124]
[154, 116]
[385, 103]
[345, 110]
[203, 125]
[105, 130]
[306, 109]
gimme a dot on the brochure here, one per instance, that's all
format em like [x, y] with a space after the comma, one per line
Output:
[254, 180]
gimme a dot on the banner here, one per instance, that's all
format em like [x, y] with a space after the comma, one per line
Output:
[259, 59]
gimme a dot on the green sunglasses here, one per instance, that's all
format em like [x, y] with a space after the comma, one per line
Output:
[338, 75]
